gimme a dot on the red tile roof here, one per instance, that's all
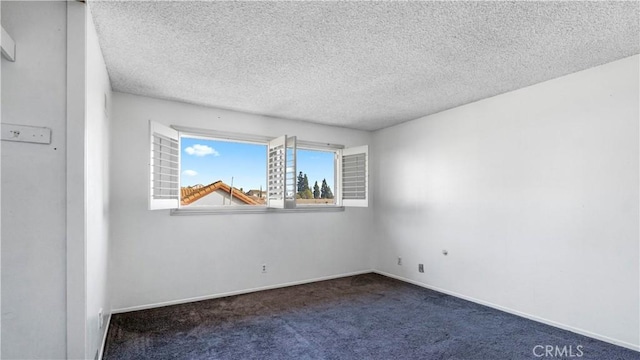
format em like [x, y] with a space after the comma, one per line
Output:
[191, 194]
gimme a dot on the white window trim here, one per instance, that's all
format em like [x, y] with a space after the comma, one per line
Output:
[252, 210]
[256, 139]
[339, 151]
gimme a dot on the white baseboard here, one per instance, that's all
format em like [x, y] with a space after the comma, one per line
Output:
[232, 293]
[104, 337]
[516, 312]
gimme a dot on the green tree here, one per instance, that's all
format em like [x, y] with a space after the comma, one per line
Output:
[300, 181]
[306, 194]
[325, 190]
[303, 187]
[316, 191]
[329, 193]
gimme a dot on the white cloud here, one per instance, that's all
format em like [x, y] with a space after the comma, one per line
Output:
[190, 173]
[201, 150]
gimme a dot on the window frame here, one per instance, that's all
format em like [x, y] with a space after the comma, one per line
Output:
[206, 134]
[337, 170]
[229, 138]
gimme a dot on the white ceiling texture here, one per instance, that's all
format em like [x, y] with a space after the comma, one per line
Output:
[362, 65]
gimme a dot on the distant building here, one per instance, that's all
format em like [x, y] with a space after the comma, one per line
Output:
[261, 194]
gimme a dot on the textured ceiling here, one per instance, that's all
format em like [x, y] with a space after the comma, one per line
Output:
[363, 65]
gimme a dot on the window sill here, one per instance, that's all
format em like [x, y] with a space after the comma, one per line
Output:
[260, 210]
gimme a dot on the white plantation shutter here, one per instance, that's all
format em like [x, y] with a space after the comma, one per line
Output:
[281, 173]
[290, 174]
[355, 176]
[164, 189]
[276, 172]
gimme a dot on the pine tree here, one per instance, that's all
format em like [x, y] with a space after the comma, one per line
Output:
[323, 189]
[300, 181]
[316, 191]
[305, 183]
[329, 193]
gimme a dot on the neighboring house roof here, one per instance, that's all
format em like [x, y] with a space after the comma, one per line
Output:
[191, 194]
[256, 193]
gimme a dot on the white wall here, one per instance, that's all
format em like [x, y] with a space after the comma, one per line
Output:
[158, 258]
[98, 108]
[534, 194]
[217, 198]
[33, 184]
[76, 181]
[0, 196]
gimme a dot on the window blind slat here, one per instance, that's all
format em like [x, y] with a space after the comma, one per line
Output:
[275, 172]
[164, 167]
[354, 176]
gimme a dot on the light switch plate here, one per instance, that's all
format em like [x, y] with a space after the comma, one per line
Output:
[24, 133]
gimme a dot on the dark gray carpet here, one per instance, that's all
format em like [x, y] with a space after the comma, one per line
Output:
[359, 317]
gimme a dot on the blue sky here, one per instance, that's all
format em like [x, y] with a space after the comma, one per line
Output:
[205, 161]
[317, 165]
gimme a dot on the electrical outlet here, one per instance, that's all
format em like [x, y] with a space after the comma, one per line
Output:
[399, 260]
[100, 319]
[421, 268]
[264, 268]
